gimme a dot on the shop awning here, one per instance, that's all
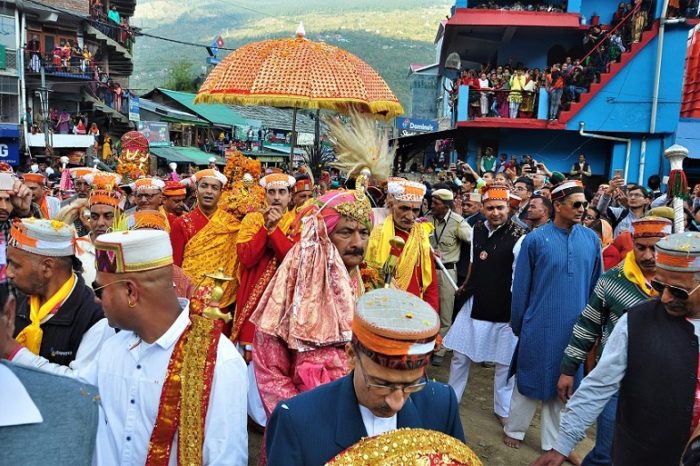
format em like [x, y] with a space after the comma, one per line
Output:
[185, 155]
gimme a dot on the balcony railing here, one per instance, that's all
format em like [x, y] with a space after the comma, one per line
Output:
[550, 6]
[73, 67]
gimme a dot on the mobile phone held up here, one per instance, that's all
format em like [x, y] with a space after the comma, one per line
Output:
[7, 181]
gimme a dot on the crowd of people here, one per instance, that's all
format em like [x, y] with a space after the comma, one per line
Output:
[550, 6]
[67, 56]
[197, 307]
[112, 24]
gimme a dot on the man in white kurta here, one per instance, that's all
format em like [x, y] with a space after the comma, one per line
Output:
[132, 367]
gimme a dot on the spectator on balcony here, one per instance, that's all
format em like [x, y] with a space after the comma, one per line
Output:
[555, 88]
[527, 107]
[96, 8]
[86, 60]
[117, 97]
[57, 57]
[515, 97]
[34, 49]
[63, 124]
[484, 93]
[113, 15]
[79, 127]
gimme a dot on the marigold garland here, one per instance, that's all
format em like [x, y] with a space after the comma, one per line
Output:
[242, 194]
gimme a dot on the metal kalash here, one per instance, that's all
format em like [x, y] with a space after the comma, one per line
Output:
[212, 309]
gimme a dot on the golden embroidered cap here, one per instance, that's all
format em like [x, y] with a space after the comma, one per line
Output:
[51, 238]
[395, 328]
[277, 180]
[679, 252]
[209, 173]
[443, 194]
[133, 251]
[104, 189]
[651, 227]
[406, 191]
[148, 183]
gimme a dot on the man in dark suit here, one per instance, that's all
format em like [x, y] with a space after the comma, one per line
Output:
[393, 340]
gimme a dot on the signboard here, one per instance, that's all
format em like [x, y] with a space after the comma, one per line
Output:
[424, 95]
[413, 126]
[9, 151]
[156, 132]
[134, 112]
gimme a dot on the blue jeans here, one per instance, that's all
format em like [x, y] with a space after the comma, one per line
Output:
[554, 101]
[601, 455]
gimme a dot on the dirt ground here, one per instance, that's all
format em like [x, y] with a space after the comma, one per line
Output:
[484, 433]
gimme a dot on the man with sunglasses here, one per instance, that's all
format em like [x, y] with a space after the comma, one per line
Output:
[556, 270]
[651, 360]
[393, 337]
[618, 289]
[415, 266]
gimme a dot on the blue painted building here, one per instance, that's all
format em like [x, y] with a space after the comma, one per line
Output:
[625, 121]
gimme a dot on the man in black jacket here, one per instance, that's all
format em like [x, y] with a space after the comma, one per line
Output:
[56, 310]
[651, 358]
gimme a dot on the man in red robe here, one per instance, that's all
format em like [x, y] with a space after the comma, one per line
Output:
[263, 241]
[415, 264]
[202, 238]
[174, 195]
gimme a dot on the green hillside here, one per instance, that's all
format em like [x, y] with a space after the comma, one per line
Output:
[389, 35]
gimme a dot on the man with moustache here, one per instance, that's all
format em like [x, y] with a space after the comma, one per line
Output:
[47, 206]
[651, 360]
[556, 270]
[393, 336]
[539, 211]
[82, 191]
[202, 239]
[618, 289]
[148, 193]
[174, 196]
[303, 318]
[481, 331]
[303, 191]
[263, 242]
[415, 265]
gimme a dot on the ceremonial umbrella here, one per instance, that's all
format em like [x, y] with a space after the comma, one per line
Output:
[299, 73]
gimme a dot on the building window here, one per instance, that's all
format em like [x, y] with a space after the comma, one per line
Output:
[7, 32]
[8, 100]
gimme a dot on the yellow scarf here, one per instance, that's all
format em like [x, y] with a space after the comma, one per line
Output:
[417, 248]
[32, 334]
[211, 249]
[254, 221]
[634, 274]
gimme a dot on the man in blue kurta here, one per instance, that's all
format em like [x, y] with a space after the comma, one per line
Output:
[556, 271]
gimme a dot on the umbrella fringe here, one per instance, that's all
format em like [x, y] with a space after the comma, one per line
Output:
[382, 109]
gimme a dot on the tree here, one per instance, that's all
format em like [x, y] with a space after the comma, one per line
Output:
[182, 76]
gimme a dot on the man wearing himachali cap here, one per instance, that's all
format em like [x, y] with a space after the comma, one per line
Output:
[651, 360]
[165, 380]
[393, 337]
[415, 268]
[57, 316]
[623, 286]
[556, 270]
[203, 238]
[263, 242]
[481, 331]
[174, 194]
[48, 206]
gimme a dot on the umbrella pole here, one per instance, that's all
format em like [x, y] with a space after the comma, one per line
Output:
[293, 139]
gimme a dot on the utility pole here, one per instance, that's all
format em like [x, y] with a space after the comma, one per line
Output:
[43, 93]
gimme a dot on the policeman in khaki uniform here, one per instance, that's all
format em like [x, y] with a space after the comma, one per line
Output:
[451, 230]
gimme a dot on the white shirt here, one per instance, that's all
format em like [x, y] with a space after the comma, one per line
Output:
[129, 374]
[376, 425]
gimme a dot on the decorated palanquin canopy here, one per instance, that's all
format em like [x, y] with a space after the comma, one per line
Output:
[408, 447]
[242, 192]
[300, 73]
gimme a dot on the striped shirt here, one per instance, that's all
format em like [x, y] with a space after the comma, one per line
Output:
[612, 296]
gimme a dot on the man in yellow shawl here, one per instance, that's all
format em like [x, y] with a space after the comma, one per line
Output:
[202, 239]
[415, 266]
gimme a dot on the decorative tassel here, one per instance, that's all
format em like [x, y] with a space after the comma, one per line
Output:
[677, 185]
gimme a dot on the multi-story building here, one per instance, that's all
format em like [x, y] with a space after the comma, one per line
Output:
[76, 64]
[622, 116]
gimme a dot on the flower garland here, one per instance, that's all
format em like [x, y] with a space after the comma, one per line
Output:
[242, 194]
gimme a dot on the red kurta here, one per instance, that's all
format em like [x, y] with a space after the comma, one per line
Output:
[183, 229]
[431, 295]
[255, 256]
